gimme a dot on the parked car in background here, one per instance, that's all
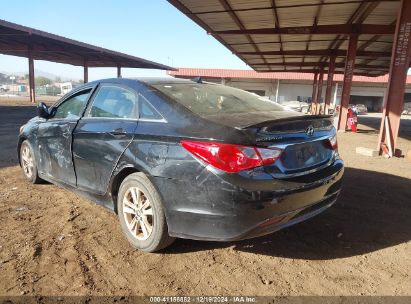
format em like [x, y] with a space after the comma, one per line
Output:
[177, 158]
[361, 109]
[407, 108]
[304, 107]
[293, 105]
[298, 106]
[4, 88]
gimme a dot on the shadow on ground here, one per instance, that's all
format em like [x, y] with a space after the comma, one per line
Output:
[11, 118]
[375, 123]
[372, 213]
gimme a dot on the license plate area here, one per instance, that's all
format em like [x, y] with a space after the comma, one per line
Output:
[305, 156]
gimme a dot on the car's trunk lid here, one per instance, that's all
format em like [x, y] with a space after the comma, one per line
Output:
[304, 139]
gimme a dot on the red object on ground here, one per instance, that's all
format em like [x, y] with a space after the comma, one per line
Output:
[352, 121]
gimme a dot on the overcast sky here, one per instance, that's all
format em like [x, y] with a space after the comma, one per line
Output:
[153, 30]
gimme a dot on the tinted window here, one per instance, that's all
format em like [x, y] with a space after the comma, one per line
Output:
[147, 111]
[210, 99]
[72, 107]
[114, 102]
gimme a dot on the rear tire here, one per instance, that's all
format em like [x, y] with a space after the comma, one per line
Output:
[28, 163]
[141, 214]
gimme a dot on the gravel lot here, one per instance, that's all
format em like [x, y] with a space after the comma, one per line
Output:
[53, 242]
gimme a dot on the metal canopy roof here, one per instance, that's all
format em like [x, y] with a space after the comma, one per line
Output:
[300, 35]
[17, 39]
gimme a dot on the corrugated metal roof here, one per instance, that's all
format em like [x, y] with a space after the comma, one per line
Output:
[250, 74]
[16, 40]
[249, 28]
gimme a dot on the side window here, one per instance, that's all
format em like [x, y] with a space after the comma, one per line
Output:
[72, 107]
[147, 111]
[114, 102]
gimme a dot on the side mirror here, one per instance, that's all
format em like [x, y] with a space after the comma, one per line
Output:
[43, 110]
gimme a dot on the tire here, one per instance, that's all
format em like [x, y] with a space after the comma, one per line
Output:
[144, 223]
[28, 163]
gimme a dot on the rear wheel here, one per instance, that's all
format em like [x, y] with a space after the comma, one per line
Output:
[141, 214]
[28, 163]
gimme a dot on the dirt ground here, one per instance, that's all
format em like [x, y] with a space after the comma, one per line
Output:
[53, 242]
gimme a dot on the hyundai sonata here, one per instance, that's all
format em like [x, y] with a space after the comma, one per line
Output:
[179, 158]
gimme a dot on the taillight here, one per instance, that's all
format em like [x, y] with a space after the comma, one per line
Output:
[231, 158]
[333, 142]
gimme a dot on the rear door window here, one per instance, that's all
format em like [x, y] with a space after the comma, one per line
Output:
[114, 102]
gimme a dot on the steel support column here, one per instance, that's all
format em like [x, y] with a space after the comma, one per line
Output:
[400, 61]
[335, 95]
[118, 71]
[277, 90]
[329, 87]
[314, 95]
[31, 77]
[85, 75]
[319, 92]
[348, 74]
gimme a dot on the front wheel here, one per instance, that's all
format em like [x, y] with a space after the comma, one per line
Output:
[28, 163]
[141, 214]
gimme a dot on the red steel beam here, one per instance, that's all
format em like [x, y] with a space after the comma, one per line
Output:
[277, 25]
[31, 77]
[314, 94]
[240, 25]
[321, 64]
[325, 52]
[330, 78]
[348, 75]
[319, 92]
[283, 6]
[363, 10]
[400, 62]
[332, 29]
[312, 71]
[315, 23]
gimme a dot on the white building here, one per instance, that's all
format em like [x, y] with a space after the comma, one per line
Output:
[287, 86]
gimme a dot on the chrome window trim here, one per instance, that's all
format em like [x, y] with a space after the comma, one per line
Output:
[163, 120]
[307, 140]
[109, 118]
[127, 119]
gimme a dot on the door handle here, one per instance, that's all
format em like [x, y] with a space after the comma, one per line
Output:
[120, 132]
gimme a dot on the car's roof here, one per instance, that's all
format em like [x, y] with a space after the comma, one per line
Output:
[147, 80]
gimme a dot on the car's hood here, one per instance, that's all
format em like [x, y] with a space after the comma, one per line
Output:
[241, 120]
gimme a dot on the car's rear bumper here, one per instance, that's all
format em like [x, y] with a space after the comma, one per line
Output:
[211, 208]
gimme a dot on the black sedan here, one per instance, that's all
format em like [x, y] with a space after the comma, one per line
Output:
[179, 158]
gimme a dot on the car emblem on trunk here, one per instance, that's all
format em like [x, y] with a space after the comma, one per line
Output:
[310, 131]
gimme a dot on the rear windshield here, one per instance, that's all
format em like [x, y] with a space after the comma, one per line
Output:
[211, 99]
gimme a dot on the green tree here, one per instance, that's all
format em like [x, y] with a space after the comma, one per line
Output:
[42, 81]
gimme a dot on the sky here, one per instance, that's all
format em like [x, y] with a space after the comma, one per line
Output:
[154, 30]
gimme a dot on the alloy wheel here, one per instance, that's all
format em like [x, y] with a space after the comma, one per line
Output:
[138, 213]
[27, 161]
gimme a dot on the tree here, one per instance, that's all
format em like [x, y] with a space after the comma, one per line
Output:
[42, 81]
